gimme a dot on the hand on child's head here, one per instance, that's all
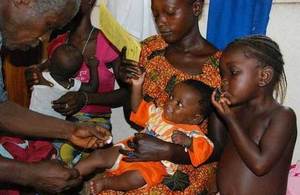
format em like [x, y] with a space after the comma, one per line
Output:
[179, 137]
[92, 61]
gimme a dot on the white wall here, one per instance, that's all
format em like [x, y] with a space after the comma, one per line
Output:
[284, 27]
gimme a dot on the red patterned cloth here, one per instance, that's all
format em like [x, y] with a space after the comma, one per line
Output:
[25, 151]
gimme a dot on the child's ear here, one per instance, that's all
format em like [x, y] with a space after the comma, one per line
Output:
[197, 7]
[266, 76]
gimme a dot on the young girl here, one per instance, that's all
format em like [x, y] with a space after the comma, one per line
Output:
[262, 132]
[177, 121]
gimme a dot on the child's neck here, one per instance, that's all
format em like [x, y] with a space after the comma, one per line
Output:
[257, 105]
[65, 82]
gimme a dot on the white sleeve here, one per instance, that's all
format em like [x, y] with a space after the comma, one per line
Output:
[77, 85]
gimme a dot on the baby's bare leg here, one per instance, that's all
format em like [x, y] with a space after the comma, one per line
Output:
[128, 181]
[102, 158]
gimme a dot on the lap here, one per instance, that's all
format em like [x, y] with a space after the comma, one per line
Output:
[201, 178]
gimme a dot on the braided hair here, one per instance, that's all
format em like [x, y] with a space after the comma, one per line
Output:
[268, 53]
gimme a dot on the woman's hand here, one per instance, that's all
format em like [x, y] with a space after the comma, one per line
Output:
[146, 148]
[50, 176]
[128, 69]
[70, 103]
[90, 136]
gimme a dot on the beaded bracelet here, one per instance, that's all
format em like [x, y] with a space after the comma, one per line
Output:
[191, 135]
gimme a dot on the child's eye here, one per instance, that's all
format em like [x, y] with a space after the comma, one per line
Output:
[234, 72]
[171, 12]
[179, 104]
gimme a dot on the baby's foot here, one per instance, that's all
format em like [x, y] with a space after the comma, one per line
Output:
[95, 186]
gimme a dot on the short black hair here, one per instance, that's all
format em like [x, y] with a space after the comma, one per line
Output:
[65, 61]
[205, 92]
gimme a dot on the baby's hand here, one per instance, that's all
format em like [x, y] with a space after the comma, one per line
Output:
[139, 81]
[178, 137]
[89, 164]
[92, 62]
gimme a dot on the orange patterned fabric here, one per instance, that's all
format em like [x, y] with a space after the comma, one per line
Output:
[161, 76]
[152, 172]
[201, 179]
[151, 118]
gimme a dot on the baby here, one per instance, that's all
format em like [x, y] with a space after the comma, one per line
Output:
[65, 62]
[178, 121]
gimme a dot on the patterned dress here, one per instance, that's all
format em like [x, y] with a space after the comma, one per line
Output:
[160, 79]
[161, 76]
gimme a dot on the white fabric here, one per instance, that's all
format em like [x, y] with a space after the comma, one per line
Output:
[42, 96]
[134, 15]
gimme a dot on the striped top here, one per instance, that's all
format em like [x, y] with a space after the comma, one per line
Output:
[151, 117]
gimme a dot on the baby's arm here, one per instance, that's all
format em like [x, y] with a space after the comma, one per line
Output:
[93, 84]
[196, 144]
[137, 92]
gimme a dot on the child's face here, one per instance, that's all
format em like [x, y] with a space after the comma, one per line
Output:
[183, 105]
[174, 18]
[240, 76]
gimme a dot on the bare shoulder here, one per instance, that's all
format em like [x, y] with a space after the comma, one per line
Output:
[284, 113]
[284, 117]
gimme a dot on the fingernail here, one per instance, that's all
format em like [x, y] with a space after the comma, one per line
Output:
[109, 140]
